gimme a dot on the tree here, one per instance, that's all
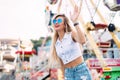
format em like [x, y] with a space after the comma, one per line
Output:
[38, 43]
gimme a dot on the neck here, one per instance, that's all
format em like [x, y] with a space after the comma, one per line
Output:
[61, 35]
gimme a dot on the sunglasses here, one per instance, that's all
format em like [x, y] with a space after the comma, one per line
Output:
[57, 21]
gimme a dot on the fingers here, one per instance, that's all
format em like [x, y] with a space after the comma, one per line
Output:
[70, 13]
[81, 5]
[76, 9]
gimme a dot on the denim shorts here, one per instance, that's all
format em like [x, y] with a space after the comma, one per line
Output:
[79, 72]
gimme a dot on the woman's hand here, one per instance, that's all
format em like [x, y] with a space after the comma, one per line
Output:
[75, 14]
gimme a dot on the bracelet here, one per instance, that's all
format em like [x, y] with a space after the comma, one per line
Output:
[75, 24]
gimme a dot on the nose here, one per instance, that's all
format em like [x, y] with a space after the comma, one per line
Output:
[56, 23]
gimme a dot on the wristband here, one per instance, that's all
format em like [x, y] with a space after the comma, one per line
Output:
[75, 24]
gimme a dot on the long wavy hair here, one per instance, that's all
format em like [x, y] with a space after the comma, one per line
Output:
[54, 59]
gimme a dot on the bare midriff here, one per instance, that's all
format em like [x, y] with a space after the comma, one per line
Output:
[74, 63]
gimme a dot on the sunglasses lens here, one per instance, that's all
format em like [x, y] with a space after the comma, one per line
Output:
[54, 21]
[59, 21]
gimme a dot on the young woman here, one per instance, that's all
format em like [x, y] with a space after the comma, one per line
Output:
[65, 48]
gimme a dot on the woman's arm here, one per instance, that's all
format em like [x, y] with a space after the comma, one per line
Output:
[77, 34]
[59, 6]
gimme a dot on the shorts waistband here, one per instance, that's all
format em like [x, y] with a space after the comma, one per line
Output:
[79, 65]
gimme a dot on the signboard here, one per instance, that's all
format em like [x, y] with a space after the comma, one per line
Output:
[94, 63]
[107, 69]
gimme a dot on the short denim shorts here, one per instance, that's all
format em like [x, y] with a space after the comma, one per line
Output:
[79, 72]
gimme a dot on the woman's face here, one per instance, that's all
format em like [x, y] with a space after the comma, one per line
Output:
[58, 23]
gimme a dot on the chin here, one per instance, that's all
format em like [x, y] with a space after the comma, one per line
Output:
[57, 29]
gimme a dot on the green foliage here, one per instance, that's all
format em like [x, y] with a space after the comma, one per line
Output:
[38, 43]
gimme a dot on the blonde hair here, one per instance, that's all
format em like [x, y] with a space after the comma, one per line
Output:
[54, 59]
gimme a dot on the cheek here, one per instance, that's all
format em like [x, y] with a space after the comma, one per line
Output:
[62, 24]
[63, 27]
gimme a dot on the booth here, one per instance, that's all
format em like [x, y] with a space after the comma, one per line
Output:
[110, 72]
[26, 54]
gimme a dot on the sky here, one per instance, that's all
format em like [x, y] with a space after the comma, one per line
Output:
[26, 18]
[22, 19]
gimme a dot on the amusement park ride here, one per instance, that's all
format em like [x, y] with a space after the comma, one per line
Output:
[111, 70]
[109, 66]
[8, 58]
[11, 56]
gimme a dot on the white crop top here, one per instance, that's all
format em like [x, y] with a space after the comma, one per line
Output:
[67, 49]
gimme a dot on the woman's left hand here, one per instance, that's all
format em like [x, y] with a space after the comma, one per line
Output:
[75, 14]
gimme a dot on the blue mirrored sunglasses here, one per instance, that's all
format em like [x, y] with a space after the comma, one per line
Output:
[57, 21]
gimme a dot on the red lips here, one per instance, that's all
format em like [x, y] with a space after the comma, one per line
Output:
[56, 25]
